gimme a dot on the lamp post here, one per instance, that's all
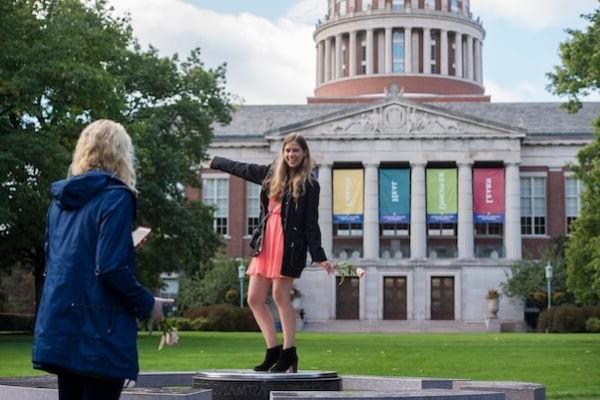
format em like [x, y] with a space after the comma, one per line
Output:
[549, 273]
[241, 276]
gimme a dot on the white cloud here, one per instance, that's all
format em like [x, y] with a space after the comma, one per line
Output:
[534, 15]
[521, 91]
[307, 11]
[267, 62]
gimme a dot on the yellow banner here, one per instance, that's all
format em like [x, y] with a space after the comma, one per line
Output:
[348, 194]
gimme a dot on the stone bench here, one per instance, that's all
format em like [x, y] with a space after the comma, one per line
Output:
[512, 390]
[427, 394]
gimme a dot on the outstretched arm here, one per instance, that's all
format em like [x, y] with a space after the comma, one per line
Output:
[251, 172]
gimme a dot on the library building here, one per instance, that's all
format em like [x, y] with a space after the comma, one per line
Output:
[426, 184]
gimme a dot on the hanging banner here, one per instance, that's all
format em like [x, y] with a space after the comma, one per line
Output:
[488, 195]
[442, 196]
[348, 193]
[394, 196]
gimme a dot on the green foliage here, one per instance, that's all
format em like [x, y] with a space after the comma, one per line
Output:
[562, 319]
[592, 325]
[579, 73]
[527, 277]
[211, 284]
[577, 76]
[66, 63]
[222, 317]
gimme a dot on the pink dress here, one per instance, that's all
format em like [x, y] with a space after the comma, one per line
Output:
[268, 262]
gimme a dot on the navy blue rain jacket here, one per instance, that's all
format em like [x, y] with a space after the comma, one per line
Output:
[86, 318]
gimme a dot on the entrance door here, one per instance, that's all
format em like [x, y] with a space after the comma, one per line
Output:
[394, 297]
[442, 298]
[346, 298]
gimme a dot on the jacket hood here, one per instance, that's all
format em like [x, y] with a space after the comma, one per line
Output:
[74, 192]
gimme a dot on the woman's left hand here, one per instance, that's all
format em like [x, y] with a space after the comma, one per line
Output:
[327, 266]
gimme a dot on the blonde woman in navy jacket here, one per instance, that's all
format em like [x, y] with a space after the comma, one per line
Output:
[86, 325]
[289, 215]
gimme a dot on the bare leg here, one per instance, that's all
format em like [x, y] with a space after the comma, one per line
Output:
[258, 290]
[281, 294]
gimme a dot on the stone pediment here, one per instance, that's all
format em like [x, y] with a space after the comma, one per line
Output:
[398, 118]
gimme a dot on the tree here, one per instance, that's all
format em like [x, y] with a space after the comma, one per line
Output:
[64, 63]
[578, 76]
[527, 278]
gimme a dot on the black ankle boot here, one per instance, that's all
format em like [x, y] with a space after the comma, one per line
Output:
[271, 358]
[288, 361]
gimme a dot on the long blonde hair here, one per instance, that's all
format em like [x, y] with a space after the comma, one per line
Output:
[283, 175]
[106, 146]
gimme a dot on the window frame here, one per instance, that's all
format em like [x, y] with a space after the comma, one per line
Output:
[218, 226]
[579, 189]
[532, 223]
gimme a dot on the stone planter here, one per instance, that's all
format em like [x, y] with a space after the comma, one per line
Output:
[492, 308]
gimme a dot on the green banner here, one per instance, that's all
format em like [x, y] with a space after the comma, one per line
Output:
[394, 196]
[442, 195]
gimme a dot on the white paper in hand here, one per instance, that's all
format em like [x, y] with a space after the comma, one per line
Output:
[139, 235]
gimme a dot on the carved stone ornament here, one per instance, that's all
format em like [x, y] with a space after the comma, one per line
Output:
[396, 119]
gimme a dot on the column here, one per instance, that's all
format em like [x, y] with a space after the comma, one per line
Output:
[418, 227]
[326, 209]
[470, 74]
[320, 50]
[444, 51]
[458, 55]
[479, 60]
[327, 60]
[426, 50]
[408, 50]
[338, 56]
[371, 222]
[414, 4]
[444, 5]
[352, 53]
[512, 223]
[370, 43]
[388, 51]
[465, 210]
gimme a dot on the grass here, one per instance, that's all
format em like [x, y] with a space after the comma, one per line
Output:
[569, 365]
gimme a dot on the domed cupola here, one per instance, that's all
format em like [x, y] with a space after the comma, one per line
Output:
[432, 49]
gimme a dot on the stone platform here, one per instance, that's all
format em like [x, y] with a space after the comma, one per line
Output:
[251, 385]
[243, 384]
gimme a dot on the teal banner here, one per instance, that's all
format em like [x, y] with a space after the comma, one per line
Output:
[394, 196]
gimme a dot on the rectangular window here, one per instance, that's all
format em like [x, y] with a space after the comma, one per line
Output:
[363, 56]
[397, 4]
[454, 6]
[441, 230]
[367, 4]
[252, 206]
[533, 205]
[430, 4]
[572, 200]
[398, 52]
[395, 229]
[433, 54]
[344, 59]
[489, 229]
[342, 7]
[215, 192]
[355, 230]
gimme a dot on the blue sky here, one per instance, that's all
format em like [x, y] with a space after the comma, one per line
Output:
[269, 49]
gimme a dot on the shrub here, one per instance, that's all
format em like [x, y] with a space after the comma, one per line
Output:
[224, 317]
[201, 324]
[593, 325]
[182, 324]
[16, 322]
[561, 319]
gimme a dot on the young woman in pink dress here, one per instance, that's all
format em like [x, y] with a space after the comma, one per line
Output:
[289, 226]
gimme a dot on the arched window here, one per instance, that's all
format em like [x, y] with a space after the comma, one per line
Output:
[397, 4]
[398, 52]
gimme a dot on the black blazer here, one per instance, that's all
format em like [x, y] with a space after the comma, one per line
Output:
[300, 221]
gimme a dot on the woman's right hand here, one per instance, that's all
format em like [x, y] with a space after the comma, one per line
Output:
[157, 310]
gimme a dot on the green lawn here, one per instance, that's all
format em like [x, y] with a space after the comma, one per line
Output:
[569, 365]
